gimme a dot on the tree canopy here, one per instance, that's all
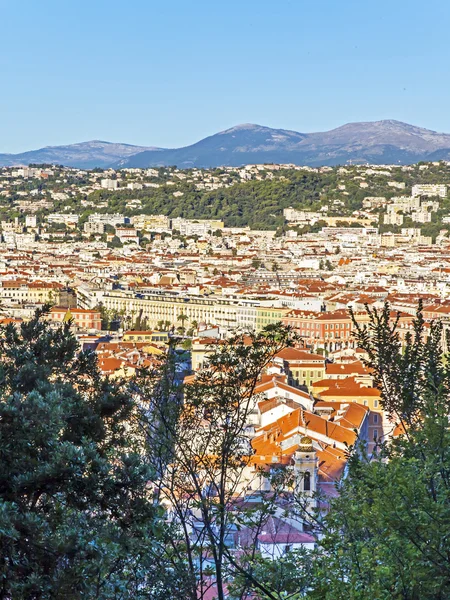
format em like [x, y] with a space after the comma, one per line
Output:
[77, 519]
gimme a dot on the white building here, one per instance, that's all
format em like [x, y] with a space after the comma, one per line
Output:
[127, 235]
[112, 219]
[94, 227]
[109, 184]
[300, 216]
[63, 218]
[31, 221]
[429, 189]
[393, 218]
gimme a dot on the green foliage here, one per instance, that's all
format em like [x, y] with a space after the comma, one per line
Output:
[201, 451]
[385, 536]
[115, 243]
[287, 578]
[77, 519]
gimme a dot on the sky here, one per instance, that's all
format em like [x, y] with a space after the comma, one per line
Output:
[171, 72]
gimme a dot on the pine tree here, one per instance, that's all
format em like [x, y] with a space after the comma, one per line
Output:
[77, 517]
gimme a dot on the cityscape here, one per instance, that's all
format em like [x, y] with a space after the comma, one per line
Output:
[136, 287]
[224, 301]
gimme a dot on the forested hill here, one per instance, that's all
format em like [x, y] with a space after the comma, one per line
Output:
[260, 203]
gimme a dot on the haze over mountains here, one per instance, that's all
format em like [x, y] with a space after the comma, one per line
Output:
[377, 142]
[85, 155]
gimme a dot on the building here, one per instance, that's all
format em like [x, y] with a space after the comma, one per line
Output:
[65, 218]
[31, 221]
[82, 318]
[269, 315]
[146, 336]
[127, 235]
[94, 227]
[112, 219]
[393, 218]
[427, 189]
[200, 227]
[109, 184]
[18, 291]
[302, 368]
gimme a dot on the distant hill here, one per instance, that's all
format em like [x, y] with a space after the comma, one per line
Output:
[376, 142]
[85, 155]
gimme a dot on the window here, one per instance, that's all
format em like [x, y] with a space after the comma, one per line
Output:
[375, 403]
[307, 482]
[375, 434]
[375, 419]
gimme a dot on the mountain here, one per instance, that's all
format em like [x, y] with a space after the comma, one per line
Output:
[86, 155]
[239, 145]
[377, 142]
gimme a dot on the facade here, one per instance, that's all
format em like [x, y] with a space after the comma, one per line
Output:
[82, 319]
[429, 190]
[23, 292]
[302, 368]
[92, 227]
[145, 336]
[269, 315]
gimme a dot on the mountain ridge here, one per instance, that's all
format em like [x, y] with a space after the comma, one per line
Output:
[86, 155]
[377, 142]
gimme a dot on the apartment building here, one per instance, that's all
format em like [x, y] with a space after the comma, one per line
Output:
[427, 189]
[82, 318]
[23, 292]
[302, 368]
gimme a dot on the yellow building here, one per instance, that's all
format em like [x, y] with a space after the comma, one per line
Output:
[303, 368]
[146, 336]
[174, 309]
[268, 315]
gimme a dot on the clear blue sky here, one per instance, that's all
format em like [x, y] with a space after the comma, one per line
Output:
[168, 73]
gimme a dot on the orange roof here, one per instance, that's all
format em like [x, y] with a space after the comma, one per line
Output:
[276, 383]
[135, 332]
[285, 427]
[294, 354]
[347, 388]
[347, 368]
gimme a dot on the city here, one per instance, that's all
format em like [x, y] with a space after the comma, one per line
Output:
[224, 300]
[135, 286]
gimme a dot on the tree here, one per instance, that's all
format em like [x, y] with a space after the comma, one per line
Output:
[77, 518]
[182, 318]
[386, 534]
[202, 454]
[115, 243]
